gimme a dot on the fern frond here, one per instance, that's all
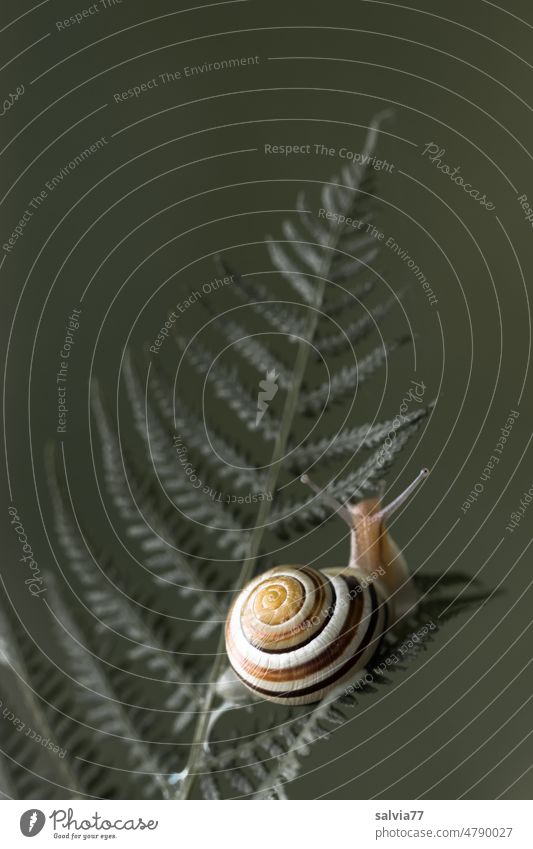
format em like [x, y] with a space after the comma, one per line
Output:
[250, 766]
[400, 650]
[228, 388]
[329, 256]
[115, 615]
[195, 502]
[292, 272]
[356, 331]
[237, 466]
[293, 237]
[133, 506]
[302, 736]
[147, 526]
[346, 381]
[311, 225]
[355, 485]
[209, 787]
[351, 440]
[168, 565]
[340, 300]
[347, 267]
[27, 765]
[281, 316]
[255, 353]
[102, 710]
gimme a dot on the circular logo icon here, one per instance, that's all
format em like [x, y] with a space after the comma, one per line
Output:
[32, 822]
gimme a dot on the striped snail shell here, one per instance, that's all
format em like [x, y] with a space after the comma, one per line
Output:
[294, 632]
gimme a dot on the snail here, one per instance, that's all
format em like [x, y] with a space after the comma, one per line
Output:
[295, 633]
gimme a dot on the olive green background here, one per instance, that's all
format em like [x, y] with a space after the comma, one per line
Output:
[456, 74]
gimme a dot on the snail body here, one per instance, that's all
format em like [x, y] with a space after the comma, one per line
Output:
[294, 632]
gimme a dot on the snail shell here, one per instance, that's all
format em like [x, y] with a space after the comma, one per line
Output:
[294, 633]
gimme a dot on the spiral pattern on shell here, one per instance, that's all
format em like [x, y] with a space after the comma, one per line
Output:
[294, 632]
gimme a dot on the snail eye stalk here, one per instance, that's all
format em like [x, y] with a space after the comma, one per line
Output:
[391, 508]
[345, 511]
[342, 509]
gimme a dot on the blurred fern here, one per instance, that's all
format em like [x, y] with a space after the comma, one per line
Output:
[138, 644]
